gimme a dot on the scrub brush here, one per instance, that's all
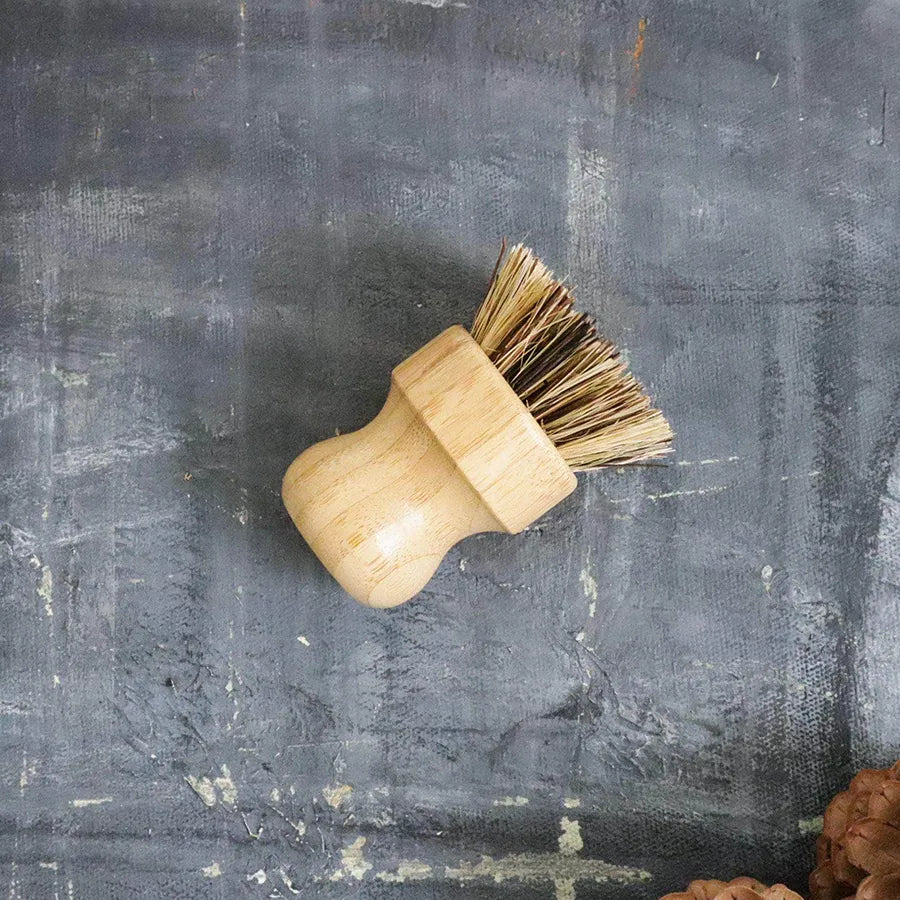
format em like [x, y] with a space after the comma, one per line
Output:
[481, 431]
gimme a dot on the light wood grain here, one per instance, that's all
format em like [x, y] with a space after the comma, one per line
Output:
[452, 452]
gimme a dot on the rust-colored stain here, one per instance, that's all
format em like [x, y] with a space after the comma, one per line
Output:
[637, 53]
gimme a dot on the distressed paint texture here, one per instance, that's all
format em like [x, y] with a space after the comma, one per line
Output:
[221, 225]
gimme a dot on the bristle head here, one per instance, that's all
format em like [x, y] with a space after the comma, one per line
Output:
[573, 381]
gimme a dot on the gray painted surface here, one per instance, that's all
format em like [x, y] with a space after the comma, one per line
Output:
[222, 225]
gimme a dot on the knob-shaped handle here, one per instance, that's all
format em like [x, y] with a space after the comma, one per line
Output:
[453, 452]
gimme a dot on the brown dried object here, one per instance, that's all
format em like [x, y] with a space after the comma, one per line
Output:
[860, 838]
[738, 889]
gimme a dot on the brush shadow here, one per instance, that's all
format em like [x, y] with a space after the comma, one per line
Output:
[331, 317]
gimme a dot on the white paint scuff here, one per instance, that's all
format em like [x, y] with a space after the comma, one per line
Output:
[336, 794]
[353, 863]
[45, 590]
[259, 876]
[226, 787]
[589, 586]
[700, 492]
[203, 788]
[243, 511]
[68, 379]
[563, 869]
[215, 790]
[708, 462]
[213, 870]
[29, 771]
[511, 801]
[303, 640]
[118, 451]
[407, 870]
[534, 868]
[709, 490]
[287, 881]
[570, 841]
[437, 4]
[81, 802]
[14, 883]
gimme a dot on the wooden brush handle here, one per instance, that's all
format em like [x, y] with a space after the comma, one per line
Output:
[453, 452]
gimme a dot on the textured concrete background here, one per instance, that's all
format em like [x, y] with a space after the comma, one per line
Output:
[221, 225]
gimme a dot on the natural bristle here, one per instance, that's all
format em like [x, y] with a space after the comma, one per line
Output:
[572, 380]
